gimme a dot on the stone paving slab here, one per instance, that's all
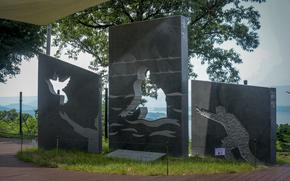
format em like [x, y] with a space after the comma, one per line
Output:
[136, 155]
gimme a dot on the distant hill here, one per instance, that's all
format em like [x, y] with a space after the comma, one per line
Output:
[283, 108]
[24, 107]
[155, 115]
[27, 100]
[29, 104]
[283, 98]
[27, 109]
[2, 108]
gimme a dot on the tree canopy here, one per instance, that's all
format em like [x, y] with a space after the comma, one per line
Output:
[18, 41]
[9, 123]
[211, 23]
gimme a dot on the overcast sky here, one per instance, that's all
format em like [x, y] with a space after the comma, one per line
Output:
[268, 65]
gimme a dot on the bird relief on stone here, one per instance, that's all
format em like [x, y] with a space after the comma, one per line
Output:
[57, 84]
[237, 135]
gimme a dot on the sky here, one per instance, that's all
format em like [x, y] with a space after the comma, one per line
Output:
[268, 65]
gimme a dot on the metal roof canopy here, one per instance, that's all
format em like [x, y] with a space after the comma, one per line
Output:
[42, 12]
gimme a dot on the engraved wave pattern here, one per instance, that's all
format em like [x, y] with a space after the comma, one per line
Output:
[151, 124]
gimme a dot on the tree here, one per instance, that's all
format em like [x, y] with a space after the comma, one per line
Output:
[18, 41]
[212, 22]
[9, 123]
[8, 116]
[283, 137]
[29, 124]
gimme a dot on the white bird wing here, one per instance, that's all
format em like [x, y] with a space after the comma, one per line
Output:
[57, 85]
[65, 96]
[54, 85]
[65, 83]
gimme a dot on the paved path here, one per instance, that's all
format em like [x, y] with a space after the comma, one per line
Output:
[12, 169]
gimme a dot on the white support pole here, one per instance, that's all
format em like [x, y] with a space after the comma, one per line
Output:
[48, 39]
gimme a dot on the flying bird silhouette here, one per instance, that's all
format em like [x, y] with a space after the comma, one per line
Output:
[288, 92]
[55, 85]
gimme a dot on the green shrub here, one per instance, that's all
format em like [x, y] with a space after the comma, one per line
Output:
[283, 138]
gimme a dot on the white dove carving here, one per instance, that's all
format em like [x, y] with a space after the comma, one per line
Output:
[55, 85]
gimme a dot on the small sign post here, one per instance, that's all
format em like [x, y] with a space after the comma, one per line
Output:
[219, 151]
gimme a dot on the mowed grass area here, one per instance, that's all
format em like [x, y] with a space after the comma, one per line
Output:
[98, 163]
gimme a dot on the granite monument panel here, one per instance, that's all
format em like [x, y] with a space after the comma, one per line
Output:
[69, 106]
[159, 47]
[237, 118]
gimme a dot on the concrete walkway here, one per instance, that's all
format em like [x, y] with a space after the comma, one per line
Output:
[11, 169]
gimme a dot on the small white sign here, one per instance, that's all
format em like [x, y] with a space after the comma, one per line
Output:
[219, 151]
[34, 143]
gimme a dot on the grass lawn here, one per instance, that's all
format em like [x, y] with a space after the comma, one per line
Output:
[98, 163]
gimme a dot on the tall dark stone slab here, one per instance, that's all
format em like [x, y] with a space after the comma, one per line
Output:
[71, 119]
[159, 46]
[241, 119]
